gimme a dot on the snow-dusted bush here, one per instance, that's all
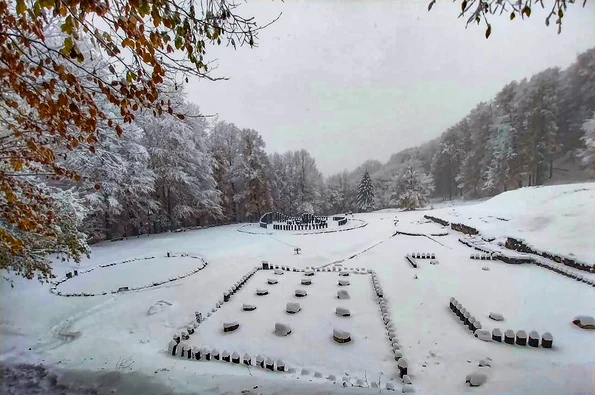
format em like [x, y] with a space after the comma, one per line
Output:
[534, 339]
[261, 292]
[300, 293]
[282, 329]
[497, 335]
[248, 307]
[343, 283]
[272, 281]
[306, 281]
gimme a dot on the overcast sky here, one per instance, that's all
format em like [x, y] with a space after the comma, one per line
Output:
[356, 80]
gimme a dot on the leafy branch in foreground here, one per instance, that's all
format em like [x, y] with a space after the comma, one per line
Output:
[479, 10]
[65, 65]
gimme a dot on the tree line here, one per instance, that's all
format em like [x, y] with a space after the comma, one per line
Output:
[166, 173]
[535, 131]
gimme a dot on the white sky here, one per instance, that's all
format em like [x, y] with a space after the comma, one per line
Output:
[356, 80]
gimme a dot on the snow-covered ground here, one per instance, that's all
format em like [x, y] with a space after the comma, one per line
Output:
[129, 332]
[558, 218]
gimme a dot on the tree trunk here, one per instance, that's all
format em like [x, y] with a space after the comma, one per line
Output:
[551, 168]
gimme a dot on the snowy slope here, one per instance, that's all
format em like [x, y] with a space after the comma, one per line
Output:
[129, 332]
[558, 219]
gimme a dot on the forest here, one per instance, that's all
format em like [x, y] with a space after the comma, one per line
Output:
[168, 173]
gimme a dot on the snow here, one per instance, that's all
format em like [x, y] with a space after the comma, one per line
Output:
[107, 279]
[342, 294]
[114, 332]
[476, 379]
[557, 219]
[483, 334]
[292, 308]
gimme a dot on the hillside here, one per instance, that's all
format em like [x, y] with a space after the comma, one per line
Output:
[559, 218]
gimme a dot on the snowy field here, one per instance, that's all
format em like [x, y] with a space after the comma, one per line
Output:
[127, 334]
[310, 344]
[131, 274]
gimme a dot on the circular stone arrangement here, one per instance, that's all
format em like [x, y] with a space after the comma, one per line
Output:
[80, 273]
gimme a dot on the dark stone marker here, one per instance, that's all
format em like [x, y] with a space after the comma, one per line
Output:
[509, 337]
[402, 364]
[497, 335]
[270, 365]
[547, 340]
[521, 338]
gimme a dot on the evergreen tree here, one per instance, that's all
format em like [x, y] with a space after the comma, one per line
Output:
[412, 187]
[365, 193]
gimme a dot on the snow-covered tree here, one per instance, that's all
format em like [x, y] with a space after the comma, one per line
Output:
[61, 238]
[341, 193]
[183, 167]
[224, 143]
[470, 177]
[538, 113]
[412, 187]
[365, 193]
[256, 197]
[588, 153]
